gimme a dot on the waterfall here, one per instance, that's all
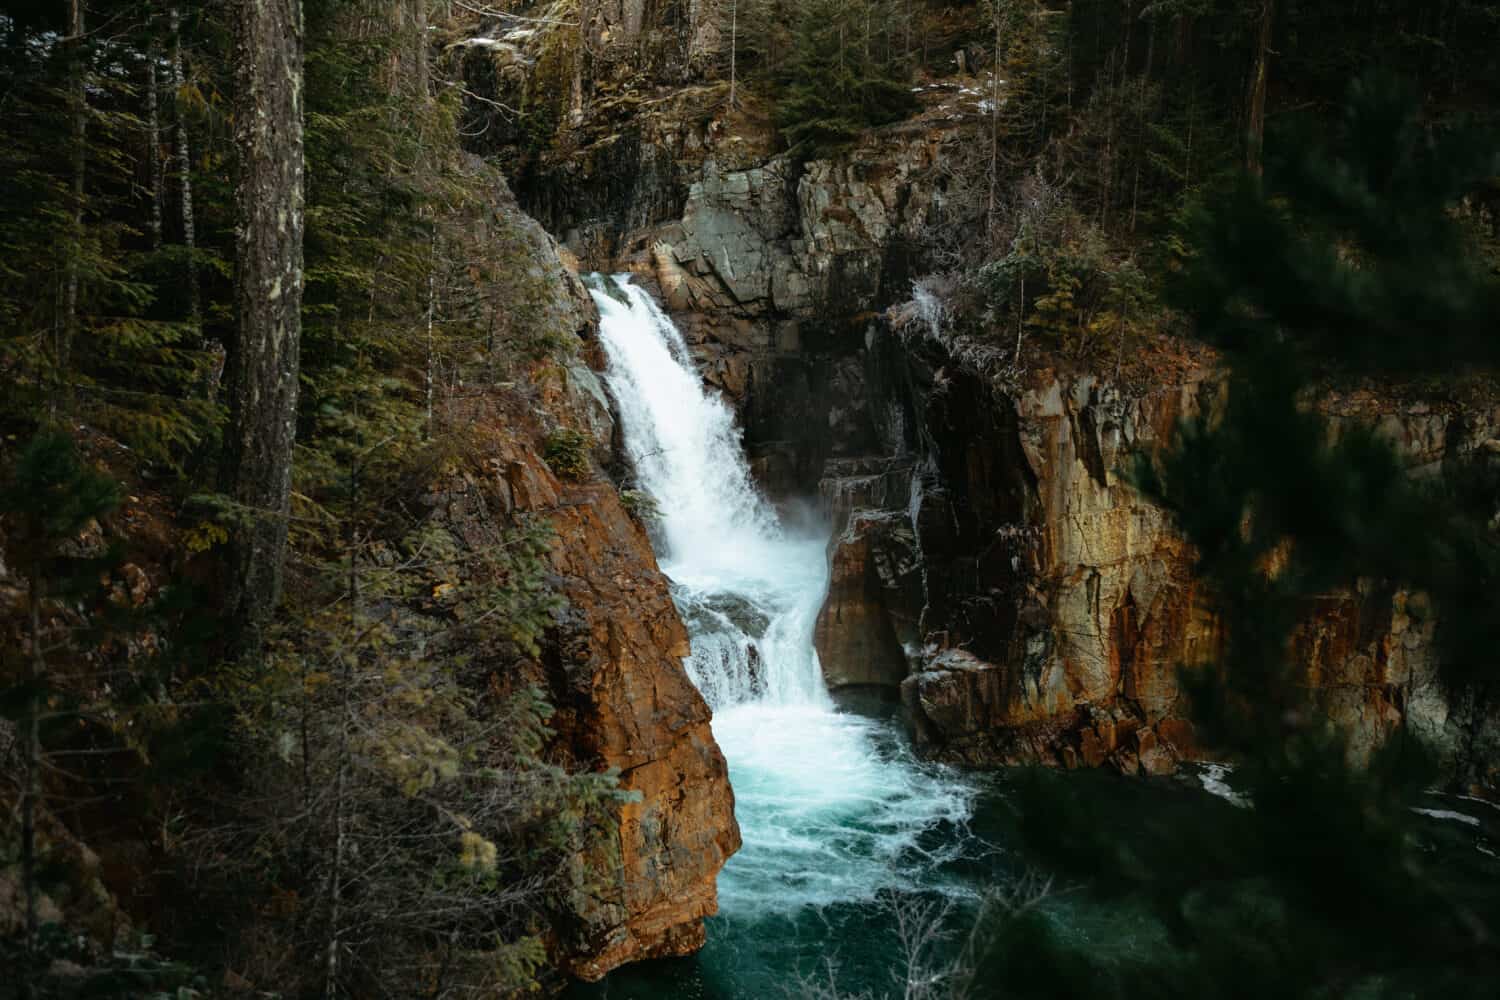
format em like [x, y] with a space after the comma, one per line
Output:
[832, 807]
[749, 591]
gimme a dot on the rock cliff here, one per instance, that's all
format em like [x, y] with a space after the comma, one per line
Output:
[613, 663]
[1043, 607]
[624, 702]
[988, 558]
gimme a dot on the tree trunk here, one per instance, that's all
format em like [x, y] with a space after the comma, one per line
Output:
[1192, 113]
[153, 138]
[431, 374]
[1141, 138]
[422, 40]
[992, 203]
[341, 775]
[1107, 162]
[78, 98]
[185, 172]
[31, 752]
[262, 371]
[695, 13]
[336, 875]
[734, 50]
[575, 116]
[1020, 325]
[1184, 40]
[1255, 98]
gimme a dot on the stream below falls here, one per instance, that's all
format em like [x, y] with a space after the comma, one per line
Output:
[846, 833]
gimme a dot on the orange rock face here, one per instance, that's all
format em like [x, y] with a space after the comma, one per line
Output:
[1053, 605]
[629, 706]
[859, 633]
[652, 724]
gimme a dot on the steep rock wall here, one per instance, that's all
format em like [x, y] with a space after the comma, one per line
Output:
[1043, 607]
[624, 702]
[614, 665]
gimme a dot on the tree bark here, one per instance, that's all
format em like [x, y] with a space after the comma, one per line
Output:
[31, 753]
[992, 203]
[575, 114]
[431, 374]
[422, 41]
[1255, 98]
[341, 775]
[1141, 140]
[78, 99]
[153, 134]
[263, 362]
[1183, 41]
[185, 171]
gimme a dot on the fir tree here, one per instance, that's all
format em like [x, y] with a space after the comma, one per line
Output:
[842, 76]
[1348, 260]
[49, 499]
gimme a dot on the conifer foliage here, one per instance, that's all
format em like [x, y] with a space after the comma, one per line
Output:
[247, 270]
[845, 73]
[1345, 260]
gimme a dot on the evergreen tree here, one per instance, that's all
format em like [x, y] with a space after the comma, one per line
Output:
[50, 498]
[1347, 260]
[263, 362]
[843, 75]
[87, 322]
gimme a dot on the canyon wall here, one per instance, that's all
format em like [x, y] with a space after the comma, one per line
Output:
[989, 560]
[612, 664]
[1043, 607]
[613, 670]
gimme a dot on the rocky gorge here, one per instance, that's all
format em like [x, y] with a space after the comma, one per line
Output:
[720, 545]
[990, 558]
[992, 563]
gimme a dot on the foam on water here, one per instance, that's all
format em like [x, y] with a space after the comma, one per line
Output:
[831, 809]
[827, 813]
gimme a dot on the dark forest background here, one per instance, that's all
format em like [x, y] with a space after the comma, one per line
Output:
[288, 742]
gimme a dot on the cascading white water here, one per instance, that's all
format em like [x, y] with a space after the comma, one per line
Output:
[748, 590]
[831, 810]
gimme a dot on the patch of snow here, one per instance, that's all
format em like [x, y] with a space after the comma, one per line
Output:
[1457, 817]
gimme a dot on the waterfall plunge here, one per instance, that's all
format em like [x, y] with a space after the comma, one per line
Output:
[831, 808]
